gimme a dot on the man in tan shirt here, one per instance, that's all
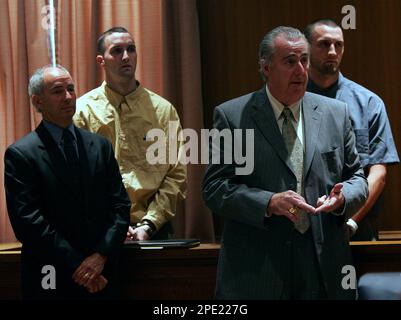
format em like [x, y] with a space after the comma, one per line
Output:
[123, 111]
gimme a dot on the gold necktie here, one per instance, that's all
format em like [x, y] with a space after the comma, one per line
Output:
[296, 153]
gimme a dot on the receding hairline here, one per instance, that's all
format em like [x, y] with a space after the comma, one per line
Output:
[314, 34]
[310, 29]
[55, 68]
[327, 26]
[290, 39]
[55, 71]
[37, 79]
[116, 32]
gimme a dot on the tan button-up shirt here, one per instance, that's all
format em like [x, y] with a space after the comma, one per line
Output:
[125, 120]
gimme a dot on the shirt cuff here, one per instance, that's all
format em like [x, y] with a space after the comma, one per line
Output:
[268, 214]
[342, 212]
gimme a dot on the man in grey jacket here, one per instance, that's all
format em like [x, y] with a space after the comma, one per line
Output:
[284, 233]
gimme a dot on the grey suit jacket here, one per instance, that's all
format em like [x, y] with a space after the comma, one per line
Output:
[251, 257]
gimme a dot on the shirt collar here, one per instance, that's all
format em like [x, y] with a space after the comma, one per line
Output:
[116, 99]
[278, 107]
[340, 80]
[57, 132]
[330, 92]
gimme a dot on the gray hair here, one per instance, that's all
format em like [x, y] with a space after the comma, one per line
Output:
[36, 82]
[267, 46]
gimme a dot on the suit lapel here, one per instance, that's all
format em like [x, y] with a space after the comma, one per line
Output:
[265, 120]
[312, 121]
[52, 156]
[87, 160]
[87, 150]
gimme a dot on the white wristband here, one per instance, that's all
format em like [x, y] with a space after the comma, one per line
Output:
[352, 224]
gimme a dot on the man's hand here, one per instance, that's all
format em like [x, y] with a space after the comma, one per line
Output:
[89, 269]
[333, 202]
[283, 203]
[97, 284]
[137, 234]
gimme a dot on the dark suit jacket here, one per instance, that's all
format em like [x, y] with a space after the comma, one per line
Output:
[57, 224]
[251, 259]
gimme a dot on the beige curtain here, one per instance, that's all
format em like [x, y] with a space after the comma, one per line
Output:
[23, 49]
[167, 39]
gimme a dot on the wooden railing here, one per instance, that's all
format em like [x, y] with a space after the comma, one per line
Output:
[188, 273]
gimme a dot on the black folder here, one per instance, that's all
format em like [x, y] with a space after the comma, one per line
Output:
[163, 244]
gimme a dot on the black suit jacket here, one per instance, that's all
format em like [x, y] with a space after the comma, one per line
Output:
[251, 260]
[57, 224]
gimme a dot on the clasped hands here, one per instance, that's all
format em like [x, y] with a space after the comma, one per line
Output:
[288, 203]
[89, 273]
[137, 234]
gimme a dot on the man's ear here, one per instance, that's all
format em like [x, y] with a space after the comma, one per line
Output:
[100, 59]
[37, 102]
[266, 69]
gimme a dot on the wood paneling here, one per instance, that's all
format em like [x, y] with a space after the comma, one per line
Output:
[231, 31]
[182, 274]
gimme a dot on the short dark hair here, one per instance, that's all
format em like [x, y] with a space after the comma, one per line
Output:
[310, 27]
[100, 41]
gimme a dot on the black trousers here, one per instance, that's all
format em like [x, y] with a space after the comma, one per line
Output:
[303, 275]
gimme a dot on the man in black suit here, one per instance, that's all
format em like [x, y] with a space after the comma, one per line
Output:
[284, 230]
[65, 198]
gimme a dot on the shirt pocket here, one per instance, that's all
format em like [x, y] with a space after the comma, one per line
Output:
[332, 162]
[362, 140]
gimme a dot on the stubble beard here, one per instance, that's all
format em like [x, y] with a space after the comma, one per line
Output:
[325, 69]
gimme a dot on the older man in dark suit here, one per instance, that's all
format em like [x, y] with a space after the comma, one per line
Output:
[65, 198]
[284, 232]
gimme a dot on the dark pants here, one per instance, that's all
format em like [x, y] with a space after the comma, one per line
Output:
[304, 280]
